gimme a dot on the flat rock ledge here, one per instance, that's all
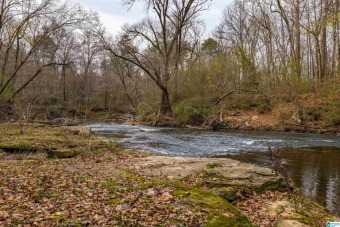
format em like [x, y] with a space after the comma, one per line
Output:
[219, 172]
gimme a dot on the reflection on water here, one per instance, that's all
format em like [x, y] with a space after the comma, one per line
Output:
[313, 164]
[316, 171]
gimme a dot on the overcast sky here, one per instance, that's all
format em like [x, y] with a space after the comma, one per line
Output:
[113, 14]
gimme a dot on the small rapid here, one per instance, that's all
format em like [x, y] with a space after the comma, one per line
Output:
[203, 143]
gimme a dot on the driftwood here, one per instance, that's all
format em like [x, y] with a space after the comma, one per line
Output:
[224, 96]
[218, 100]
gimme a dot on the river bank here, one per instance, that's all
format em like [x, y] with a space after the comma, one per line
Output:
[236, 120]
[106, 184]
[245, 121]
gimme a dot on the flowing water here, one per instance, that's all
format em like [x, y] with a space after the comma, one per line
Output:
[312, 160]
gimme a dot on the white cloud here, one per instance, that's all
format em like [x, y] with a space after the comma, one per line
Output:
[113, 14]
[113, 23]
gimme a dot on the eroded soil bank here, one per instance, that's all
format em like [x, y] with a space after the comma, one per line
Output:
[103, 184]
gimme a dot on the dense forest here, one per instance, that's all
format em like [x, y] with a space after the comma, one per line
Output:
[279, 59]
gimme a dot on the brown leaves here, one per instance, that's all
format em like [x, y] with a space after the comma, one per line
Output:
[86, 192]
[254, 208]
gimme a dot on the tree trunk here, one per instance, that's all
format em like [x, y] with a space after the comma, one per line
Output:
[337, 7]
[323, 44]
[165, 108]
[323, 53]
[297, 34]
[64, 83]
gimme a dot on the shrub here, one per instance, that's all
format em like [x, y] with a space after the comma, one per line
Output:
[333, 115]
[190, 111]
[311, 114]
[333, 118]
[147, 112]
[244, 103]
[241, 102]
[263, 107]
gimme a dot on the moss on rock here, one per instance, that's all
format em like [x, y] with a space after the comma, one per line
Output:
[65, 153]
[228, 193]
[219, 211]
[56, 142]
[215, 179]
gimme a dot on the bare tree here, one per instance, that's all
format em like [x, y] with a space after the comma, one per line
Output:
[32, 37]
[128, 75]
[160, 40]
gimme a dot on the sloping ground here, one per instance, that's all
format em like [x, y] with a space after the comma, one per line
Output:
[300, 113]
[109, 186]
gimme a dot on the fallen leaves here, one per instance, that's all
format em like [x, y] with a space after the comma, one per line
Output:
[83, 191]
[254, 208]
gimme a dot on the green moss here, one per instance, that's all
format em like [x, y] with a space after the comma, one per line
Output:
[125, 174]
[219, 211]
[114, 201]
[18, 147]
[149, 184]
[111, 185]
[215, 179]
[65, 153]
[228, 193]
[213, 165]
[56, 142]
[273, 186]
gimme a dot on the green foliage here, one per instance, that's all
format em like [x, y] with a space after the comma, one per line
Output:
[211, 77]
[333, 114]
[263, 107]
[247, 65]
[241, 102]
[292, 86]
[210, 46]
[311, 114]
[247, 102]
[148, 109]
[191, 111]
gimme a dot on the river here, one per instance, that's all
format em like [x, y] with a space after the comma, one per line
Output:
[312, 160]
